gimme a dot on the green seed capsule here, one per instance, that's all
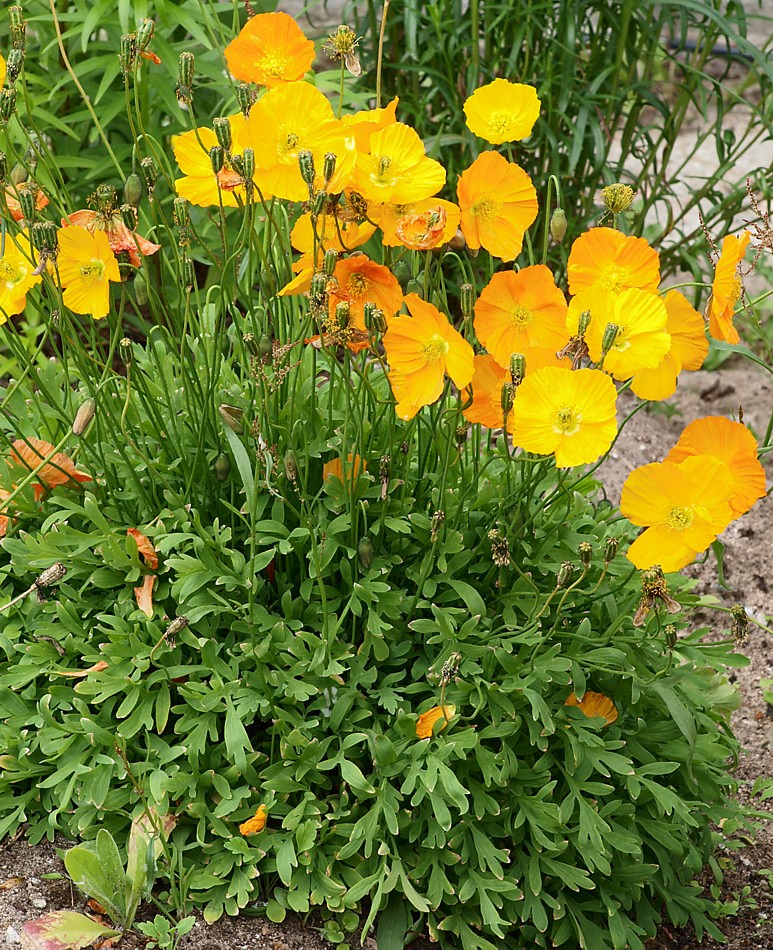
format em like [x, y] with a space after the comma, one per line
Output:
[222, 467]
[132, 190]
[365, 552]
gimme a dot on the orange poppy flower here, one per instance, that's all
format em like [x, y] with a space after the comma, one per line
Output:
[422, 231]
[335, 468]
[640, 317]
[421, 349]
[731, 443]
[361, 280]
[4, 518]
[363, 124]
[498, 203]
[144, 594]
[255, 824]
[295, 118]
[688, 350]
[427, 720]
[389, 216]
[569, 413]
[726, 288]
[270, 50]
[594, 705]
[397, 169]
[502, 111]
[604, 258]
[518, 311]
[144, 547]
[58, 470]
[682, 506]
[119, 237]
[41, 199]
[86, 266]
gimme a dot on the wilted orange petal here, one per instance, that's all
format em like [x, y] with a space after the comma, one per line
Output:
[96, 668]
[594, 704]
[60, 469]
[426, 721]
[144, 595]
[144, 547]
[255, 824]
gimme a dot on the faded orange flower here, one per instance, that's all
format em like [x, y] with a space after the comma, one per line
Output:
[119, 237]
[389, 216]
[12, 200]
[58, 470]
[255, 824]
[498, 203]
[427, 720]
[144, 547]
[594, 705]
[335, 468]
[726, 288]
[422, 231]
[144, 594]
[270, 50]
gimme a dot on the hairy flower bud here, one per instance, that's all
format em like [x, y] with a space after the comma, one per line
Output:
[331, 259]
[507, 398]
[129, 216]
[223, 135]
[185, 72]
[740, 627]
[517, 368]
[217, 158]
[145, 30]
[564, 574]
[18, 27]
[375, 320]
[318, 203]
[329, 167]
[438, 518]
[343, 314]
[232, 416]
[291, 466]
[383, 474]
[181, 212]
[583, 323]
[83, 416]
[467, 300]
[558, 225]
[248, 160]
[44, 237]
[318, 287]
[132, 190]
[150, 173]
[28, 197]
[125, 349]
[609, 338]
[617, 197]
[3, 168]
[189, 273]
[670, 632]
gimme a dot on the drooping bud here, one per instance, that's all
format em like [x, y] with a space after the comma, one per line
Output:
[223, 135]
[383, 474]
[232, 416]
[52, 575]
[127, 53]
[609, 337]
[467, 300]
[460, 435]
[438, 518]
[129, 216]
[458, 242]
[291, 466]
[617, 197]
[150, 173]
[266, 348]
[132, 189]
[329, 167]
[610, 549]
[185, 70]
[7, 103]
[13, 65]
[306, 165]
[145, 30]
[558, 225]
[365, 552]
[564, 574]
[222, 467]
[217, 158]
[585, 550]
[245, 96]
[83, 416]
[517, 368]
[416, 286]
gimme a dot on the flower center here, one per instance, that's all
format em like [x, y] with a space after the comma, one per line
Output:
[272, 64]
[679, 518]
[615, 278]
[91, 273]
[567, 421]
[433, 348]
[500, 122]
[486, 209]
[383, 165]
[10, 275]
[521, 317]
[358, 285]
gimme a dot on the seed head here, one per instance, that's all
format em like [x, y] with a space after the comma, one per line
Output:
[500, 548]
[436, 524]
[586, 552]
[618, 197]
[740, 627]
[52, 575]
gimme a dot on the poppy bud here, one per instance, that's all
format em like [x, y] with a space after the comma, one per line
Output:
[132, 189]
[150, 173]
[127, 52]
[585, 550]
[670, 632]
[460, 435]
[140, 290]
[266, 347]
[44, 237]
[185, 73]
[14, 64]
[189, 273]
[222, 467]
[7, 103]
[365, 552]
[608, 340]
[343, 314]
[329, 167]
[306, 164]
[129, 216]
[217, 158]
[383, 474]
[467, 300]
[245, 96]
[740, 627]
[564, 574]
[291, 466]
[3, 168]
[83, 416]
[145, 30]
[558, 225]
[402, 272]
[52, 575]
[610, 549]
[248, 158]
[125, 349]
[416, 286]
[232, 416]
[458, 242]
[374, 318]
[238, 165]
[223, 133]
[517, 368]
[318, 203]
[181, 214]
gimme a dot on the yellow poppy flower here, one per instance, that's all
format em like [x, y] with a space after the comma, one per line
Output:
[421, 349]
[571, 413]
[688, 350]
[606, 259]
[517, 311]
[427, 720]
[489, 378]
[726, 288]
[364, 123]
[2, 71]
[295, 118]
[641, 317]
[731, 443]
[499, 204]
[17, 274]
[682, 506]
[397, 170]
[271, 49]
[86, 266]
[255, 824]
[594, 705]
[502, 111]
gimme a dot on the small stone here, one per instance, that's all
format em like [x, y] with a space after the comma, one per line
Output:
[39, 902]
[12, 936]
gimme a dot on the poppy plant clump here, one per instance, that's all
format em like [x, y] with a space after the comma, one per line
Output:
[305, 411]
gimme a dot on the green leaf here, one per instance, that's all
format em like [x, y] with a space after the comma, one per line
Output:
[392, 924]
[351, 773]
[85, 868]
[243, 463]
[63, 930]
